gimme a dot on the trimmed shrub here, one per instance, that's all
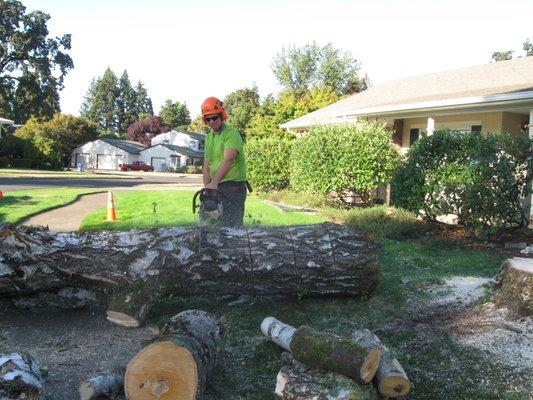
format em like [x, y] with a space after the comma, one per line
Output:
[267, 162]
[344, 159]
[481, 178]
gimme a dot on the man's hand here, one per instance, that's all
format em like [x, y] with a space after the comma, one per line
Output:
[211, 185]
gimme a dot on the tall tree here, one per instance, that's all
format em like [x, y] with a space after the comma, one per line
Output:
[32, 64]
[241, 105]
[126, 103]
[100, 105]
[175, 115]
[144, 103]
[502, 55]
[528, 47]
[312, 66]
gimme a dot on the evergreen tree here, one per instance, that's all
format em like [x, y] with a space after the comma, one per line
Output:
[126, 103]
[175, 115]
[144, 103]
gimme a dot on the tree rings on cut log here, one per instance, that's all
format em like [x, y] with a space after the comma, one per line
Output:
[515, 286]
[334, 353]
[162, 370]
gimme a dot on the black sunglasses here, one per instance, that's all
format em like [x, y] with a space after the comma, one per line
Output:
[213, 118]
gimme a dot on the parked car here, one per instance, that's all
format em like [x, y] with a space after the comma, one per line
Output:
[135, 166]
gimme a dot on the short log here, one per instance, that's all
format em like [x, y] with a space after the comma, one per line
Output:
[296, 381]
[323, 350]
[102, 386]
[20, 377]
[514, 286]
[391, 379]
[178, 365]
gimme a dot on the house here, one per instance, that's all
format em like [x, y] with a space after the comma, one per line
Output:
[170, 150]
[4, 121]
[495, 97]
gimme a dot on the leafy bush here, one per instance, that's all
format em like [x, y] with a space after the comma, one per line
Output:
[267, 162]
[343, 159]
[481, 178]
[22, 163]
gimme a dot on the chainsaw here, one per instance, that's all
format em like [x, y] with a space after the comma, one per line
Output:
[210, 209]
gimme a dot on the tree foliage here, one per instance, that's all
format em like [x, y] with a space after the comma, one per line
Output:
[144, 130]
[113, 104]
[311, 66]
[175, 115]
[32, 64]
[502, 55]
[53, 140]
[528, 47]
[241, 105]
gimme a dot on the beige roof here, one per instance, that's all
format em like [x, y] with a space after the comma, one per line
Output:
[504, 77]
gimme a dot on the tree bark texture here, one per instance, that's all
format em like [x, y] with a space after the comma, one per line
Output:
[391, 379]
[131, 269]
[103, 386]
[323, 350]
[514, 286]
[179, 364]
[296, 381]
[20, 377]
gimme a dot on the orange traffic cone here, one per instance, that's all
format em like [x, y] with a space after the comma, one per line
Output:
[111, 214]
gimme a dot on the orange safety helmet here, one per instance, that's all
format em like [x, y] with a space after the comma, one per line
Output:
[212, 105]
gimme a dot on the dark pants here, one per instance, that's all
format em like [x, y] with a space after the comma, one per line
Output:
[233, 203]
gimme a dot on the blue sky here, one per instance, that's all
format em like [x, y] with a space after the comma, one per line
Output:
[189, 50]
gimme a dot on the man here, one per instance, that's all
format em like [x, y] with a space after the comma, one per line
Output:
[224, 166]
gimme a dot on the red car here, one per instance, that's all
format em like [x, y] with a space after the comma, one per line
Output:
[135, 166]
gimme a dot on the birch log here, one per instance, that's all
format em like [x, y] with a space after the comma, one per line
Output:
[514, 286]
[296, 381]
[178, 365]
[20, 377]
[391, 379]
[102, 386]
[323, 350]
[129, 270]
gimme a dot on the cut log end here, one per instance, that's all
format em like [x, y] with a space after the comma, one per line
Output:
[162, 370]
[370, 365]
[394, 386]
[87, 390]
[122, 319]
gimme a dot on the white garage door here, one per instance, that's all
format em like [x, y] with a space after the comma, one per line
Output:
[107, 161]
[84, 160]
[159, 163]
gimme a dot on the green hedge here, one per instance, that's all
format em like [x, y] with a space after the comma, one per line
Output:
[267, 162]
[481, 178]
[340, 159]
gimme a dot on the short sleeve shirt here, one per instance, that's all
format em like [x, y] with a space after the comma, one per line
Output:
[216, 144]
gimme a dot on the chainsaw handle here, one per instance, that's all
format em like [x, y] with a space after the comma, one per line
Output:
[199, 193]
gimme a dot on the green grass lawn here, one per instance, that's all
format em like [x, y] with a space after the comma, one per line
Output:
[148, 209]
[19, 205]
[74, 174]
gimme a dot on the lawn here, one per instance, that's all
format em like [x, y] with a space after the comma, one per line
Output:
[147, 209]
[19, 205]
[74, 174]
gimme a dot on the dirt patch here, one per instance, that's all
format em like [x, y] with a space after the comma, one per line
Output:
[72, 345]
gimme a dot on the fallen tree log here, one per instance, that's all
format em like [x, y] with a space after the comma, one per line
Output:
[102, 386]
[296, 381]
[20, 377]
[391, 379]
[178, 365]
[323, 350]
[514, 286]
[131, 269]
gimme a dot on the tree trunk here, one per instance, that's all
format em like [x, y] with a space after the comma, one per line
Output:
[20, 377]
[320, 350]
[102, 385]
[514, 286]
[132, 269]
[178, 365]
[391, 379]
[295, 381]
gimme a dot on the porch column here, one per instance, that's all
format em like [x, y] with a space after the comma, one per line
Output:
[430, 126]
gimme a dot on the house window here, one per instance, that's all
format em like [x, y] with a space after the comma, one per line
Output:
[475, 129]
[413, 135]
[175, 161]
[189, 161]
[200, 145]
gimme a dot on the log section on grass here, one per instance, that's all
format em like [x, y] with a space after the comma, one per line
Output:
[20, 377]
[391, 379]
[102, 385]
[323, 350]
[178, 365]
[130, 270]
[296, 381]
[514, 286]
